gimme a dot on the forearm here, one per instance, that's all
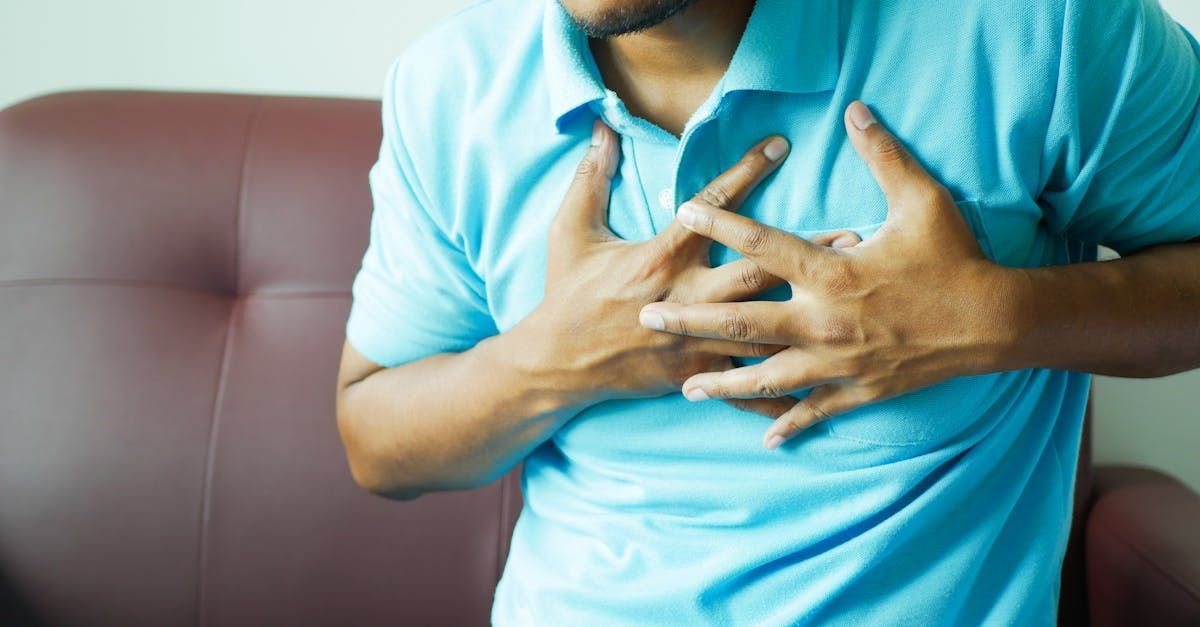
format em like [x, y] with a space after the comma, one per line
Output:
[1138, 316]
[452, 420]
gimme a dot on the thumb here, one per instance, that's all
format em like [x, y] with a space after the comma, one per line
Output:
[584, 211]
[905, 183]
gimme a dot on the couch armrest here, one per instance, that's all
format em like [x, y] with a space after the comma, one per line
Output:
[1143, 549]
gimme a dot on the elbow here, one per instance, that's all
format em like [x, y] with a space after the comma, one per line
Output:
[379, 474]
[371, 469]
[368, 477]
[388, 464]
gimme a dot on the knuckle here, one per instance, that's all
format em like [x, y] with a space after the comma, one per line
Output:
[752, 278]
[767, 387]
[704, 224]
[837, 330]
[716, 194]
[819, 412]
[838, 278]
[736, 326]
[754, 240]
[888, 149]
[761, 350]
[681, 327]
[588, 167]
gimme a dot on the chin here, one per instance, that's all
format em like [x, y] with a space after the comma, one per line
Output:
[609, 18]
[584, 9]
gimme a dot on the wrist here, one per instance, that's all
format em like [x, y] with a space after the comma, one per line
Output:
[1003, 300]
[532, 357]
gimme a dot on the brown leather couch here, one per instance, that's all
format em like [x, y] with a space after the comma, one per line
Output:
[174, 281]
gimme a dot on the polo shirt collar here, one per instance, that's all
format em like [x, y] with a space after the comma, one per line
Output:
[788, 46]
[571, 72]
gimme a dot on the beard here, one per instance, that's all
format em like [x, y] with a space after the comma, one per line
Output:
[630, 17]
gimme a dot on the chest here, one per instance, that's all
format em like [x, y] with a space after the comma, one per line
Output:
[822, 186]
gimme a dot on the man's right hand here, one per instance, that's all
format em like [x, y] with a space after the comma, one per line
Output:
[585, 336]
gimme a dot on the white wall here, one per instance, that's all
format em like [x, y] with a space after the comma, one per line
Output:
[327, 47]
[314, 47]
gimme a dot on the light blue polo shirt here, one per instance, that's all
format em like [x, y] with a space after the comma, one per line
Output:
[1056, 125]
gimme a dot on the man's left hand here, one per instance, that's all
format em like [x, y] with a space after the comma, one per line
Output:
[915, 304]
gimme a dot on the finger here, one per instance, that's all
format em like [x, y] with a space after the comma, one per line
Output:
[742, 278]
[730, 348]
[901, 177]
[837, 239]
[822, 403]
[780, 375]
[768, 407]
[729, 190]
[732, 281]
[762, 322]
[584, 212]
[776, 251]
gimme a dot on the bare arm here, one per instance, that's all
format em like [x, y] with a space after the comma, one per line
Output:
[1138, 316]
[414, 428]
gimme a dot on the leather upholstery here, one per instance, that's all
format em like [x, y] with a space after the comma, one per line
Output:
[174, 276]
[1143, 550]
[174, 282]
[1072, 603]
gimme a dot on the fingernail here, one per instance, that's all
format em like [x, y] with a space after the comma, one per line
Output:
[845, 241]
[776, 148]
[597, 133]
[695, 394]
[861, 116]
[774, 442]
[686, 214]
[652, 320]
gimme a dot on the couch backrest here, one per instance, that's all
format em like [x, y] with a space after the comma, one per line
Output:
[174, 282]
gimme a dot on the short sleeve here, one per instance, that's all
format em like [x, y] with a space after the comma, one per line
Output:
[1123, 144]
[416, 293]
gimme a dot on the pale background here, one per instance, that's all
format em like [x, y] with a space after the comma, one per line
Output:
[343, 47]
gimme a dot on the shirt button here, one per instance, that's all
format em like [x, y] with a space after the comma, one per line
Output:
[666, 198]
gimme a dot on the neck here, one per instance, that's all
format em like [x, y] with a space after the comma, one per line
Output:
[664, 73]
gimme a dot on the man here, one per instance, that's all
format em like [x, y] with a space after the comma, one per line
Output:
[535, 291]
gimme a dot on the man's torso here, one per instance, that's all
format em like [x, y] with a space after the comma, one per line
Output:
[950, 503]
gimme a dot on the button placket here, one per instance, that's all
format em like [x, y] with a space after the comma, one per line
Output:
[694, 163]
